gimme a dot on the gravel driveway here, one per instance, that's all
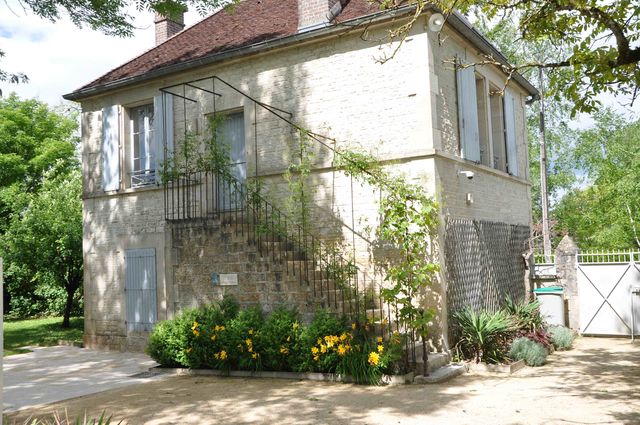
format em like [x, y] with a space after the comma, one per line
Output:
[596, 383]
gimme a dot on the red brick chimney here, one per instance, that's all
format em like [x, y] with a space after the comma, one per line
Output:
[313, 14]
[167, 27]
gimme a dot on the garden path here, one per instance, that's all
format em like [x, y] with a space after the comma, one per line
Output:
[597, 382]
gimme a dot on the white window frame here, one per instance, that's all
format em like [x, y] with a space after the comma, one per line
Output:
[142, 164]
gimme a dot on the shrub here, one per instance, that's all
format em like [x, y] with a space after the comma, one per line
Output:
[324, 323]
[278, 339]
[561, 337]
[542, 337]
[533, 353]
[484, 335]
[526, 314]
[210, 337]
[233, 344]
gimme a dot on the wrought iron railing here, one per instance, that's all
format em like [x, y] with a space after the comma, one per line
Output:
[335, 281]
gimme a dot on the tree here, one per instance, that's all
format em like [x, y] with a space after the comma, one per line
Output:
[598, 40]
[34, 140]
[45, 238]
[605, 213]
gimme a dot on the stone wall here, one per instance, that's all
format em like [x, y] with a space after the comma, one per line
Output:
[403, 111]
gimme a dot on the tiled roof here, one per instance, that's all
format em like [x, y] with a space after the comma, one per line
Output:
[250, 22]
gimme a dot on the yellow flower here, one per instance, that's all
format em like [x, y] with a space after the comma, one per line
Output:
[323, 348]
[316, 358]
[250, 332]
[314, 350]
[319, 341]
[380, 348]
[379, 340]
[196, 332]
[250, 349]
[248, 342]
[384, 321]
[254, 356]
[284, 350]
[289, 339]
[195, 325]
[343, 337]
[295, 326]
[223, 355]
[353, 326]
[213, 337]
[221, 327]
[342, 350]
[216, 328]
[374, 358]
[216, 355]
[190, 349]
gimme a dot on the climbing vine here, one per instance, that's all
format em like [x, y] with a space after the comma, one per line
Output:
[408, 225]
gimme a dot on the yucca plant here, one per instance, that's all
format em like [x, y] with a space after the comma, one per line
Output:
[526, 314]
[484, 335]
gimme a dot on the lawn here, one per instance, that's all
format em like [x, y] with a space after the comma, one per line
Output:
[43, 332]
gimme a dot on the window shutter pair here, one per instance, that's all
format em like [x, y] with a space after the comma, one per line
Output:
[468, 114]
[163, 130]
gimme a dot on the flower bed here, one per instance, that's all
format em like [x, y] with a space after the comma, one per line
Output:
[225, 338]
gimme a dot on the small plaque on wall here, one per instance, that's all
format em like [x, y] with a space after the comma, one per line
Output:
[215, 279]
[229, 279]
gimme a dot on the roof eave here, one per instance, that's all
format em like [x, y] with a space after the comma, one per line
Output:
[457, 21]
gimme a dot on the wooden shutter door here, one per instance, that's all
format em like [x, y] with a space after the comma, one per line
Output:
[110, 148]
[140, 289]
[162, 130]
[510, 132]
[468, 114]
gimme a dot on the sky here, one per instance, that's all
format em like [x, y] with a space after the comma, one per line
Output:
[59, 57]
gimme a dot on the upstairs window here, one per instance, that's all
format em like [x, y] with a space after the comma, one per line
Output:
[486, 119]
[143, 146]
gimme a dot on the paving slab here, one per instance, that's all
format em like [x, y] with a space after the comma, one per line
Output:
[50, 374]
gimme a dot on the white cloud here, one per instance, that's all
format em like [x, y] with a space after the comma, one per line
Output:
[60, 57]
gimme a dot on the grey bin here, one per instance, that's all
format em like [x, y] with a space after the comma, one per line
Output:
[551, 304]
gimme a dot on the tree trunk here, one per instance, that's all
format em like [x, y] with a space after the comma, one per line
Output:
[68, 306]
[425, 357]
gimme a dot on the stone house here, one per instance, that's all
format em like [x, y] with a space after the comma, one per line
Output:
[153, 247]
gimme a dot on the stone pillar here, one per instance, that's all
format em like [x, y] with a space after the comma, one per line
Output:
[567, 272]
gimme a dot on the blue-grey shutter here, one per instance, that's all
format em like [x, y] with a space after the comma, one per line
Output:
[468, 114]
[140, 289]
[110, 148]
[163, 129]
[510, 132]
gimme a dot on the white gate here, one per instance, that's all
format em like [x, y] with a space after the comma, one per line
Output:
[609, 288]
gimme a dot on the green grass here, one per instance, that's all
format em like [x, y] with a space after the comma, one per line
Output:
[42, 332]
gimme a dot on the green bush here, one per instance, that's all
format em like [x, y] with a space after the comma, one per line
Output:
[278, 340]
[526, 314]
[533, 353]
[483, 335]
[223, 338]
[561, 337]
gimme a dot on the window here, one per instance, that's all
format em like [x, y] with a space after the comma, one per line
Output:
[143, 146]
[487, 124]
[148, 131]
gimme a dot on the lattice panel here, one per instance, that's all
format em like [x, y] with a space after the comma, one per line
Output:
[484, 264]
